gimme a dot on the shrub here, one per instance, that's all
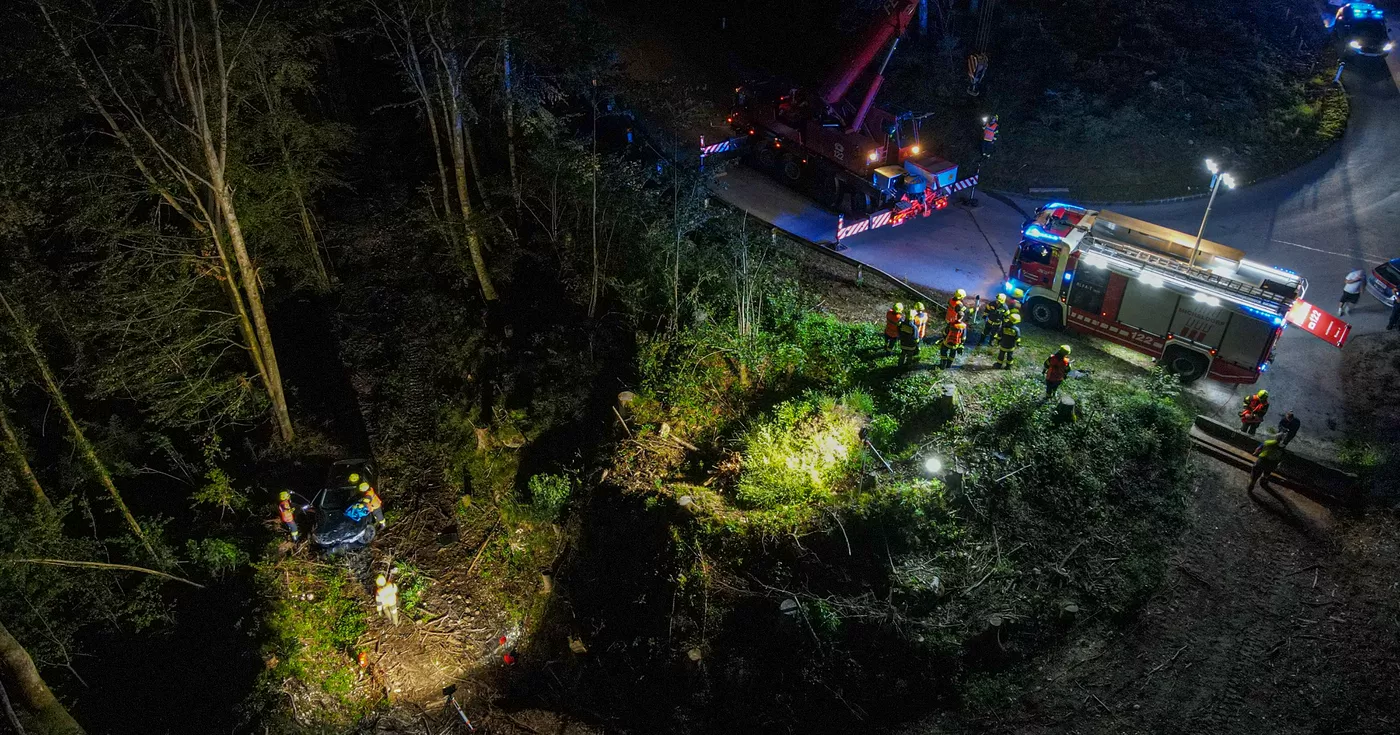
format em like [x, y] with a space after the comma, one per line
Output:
[804, 451]
[548, 495]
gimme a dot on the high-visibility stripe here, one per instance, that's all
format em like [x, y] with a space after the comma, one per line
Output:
[895, 216]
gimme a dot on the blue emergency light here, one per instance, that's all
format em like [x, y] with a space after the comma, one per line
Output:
[1036, 232]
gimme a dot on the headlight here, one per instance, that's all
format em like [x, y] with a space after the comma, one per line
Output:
[1355, 44]
[1388, 46]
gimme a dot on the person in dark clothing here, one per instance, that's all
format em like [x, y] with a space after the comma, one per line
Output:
[1394, 322]
[1287, 427]
[908, 342]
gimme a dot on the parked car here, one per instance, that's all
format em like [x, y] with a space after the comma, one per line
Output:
[332, 530]
[1384, 281]
[1360, 29]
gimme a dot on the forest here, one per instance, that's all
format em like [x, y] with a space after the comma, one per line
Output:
[645, 464]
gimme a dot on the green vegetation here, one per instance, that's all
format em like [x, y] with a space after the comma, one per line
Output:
[1030, 525]
[548, 494]
[315, 618]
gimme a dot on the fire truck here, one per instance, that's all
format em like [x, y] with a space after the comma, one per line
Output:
[1198, 310]
[852, 157]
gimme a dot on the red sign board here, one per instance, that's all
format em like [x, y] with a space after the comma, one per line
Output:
[1319, 323]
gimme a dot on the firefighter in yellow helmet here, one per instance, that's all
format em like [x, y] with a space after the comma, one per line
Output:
[956, 310]
[1253, 410]
[287, 514]
[892, 319]
[994, 314]
[1007, 341]
[1014, 303]
[372, 503]
[920, 318]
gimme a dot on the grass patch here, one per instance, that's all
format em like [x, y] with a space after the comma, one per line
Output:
[315, 615]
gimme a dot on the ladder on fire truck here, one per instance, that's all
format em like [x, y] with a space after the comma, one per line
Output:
[1256, 296]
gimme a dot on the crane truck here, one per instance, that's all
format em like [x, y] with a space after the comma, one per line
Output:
[1198, 307]
[852, 157]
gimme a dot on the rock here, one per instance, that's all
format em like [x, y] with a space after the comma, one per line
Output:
[694, 654]
[625, 399]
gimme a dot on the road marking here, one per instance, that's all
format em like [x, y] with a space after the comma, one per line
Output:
[1331, 252]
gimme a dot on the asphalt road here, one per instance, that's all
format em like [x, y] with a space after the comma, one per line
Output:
[1333, 215]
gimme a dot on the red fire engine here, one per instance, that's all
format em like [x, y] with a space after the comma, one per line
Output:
[852, 157]
[1135, 283]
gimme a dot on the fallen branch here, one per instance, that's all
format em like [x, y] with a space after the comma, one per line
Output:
[101, 565]
[623, 421]
[482, 549]
[843, 531]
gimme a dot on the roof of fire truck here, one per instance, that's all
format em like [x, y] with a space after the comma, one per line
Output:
[1161, 256]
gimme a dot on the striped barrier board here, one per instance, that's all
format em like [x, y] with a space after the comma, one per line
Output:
[897, 216]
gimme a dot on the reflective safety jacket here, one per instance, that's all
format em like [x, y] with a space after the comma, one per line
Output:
[989, 131]
[1269, 451]
[371, 500]
[953, 337]
[1056, 367]
[1254, 409]
[892, 320]
[920, 319]
[284, 511]
[1010, 337]
[994, 314]
[955, 311]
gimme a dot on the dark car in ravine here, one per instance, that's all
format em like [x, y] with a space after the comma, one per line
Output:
[333, 530]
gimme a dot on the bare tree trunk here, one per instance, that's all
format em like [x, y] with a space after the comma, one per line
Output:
[414, 67]
[214, 146]
[456, 136]
[256, 339]
[510, 127]
[80, 439]
[308, 228]
[49, 716]
[593, 166]
[21, 462]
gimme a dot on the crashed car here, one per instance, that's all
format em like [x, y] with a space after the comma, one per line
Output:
[334, 529]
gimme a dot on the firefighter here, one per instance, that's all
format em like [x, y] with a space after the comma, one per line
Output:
[920, 318]
[952, 344]
[956, 310]
[1007, 341]
[1268, 456]
[373, 505]
[287, 514]
[994, 314]
[386, 598]
[1056, 370]
[1252, 411]
[990, 129]
[1014, 303]
[892, 319]
[354, 479]
[908, 342]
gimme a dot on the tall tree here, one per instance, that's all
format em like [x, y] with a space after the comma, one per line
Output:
[181, 147]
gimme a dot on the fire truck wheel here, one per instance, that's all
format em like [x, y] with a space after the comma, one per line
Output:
[792, 169]
[1044, 313]
[1187, 365]
[767, 158]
